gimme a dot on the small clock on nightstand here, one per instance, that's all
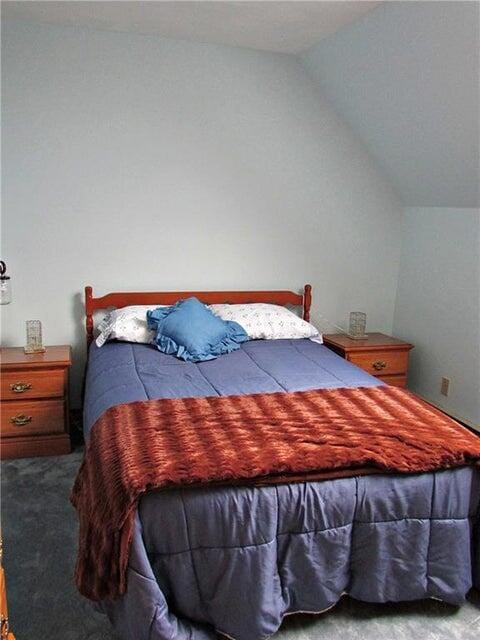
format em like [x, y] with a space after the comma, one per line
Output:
[34, 394]
[382, 356]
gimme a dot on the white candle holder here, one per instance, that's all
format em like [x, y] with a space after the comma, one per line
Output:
[357, 325]
[34, 337]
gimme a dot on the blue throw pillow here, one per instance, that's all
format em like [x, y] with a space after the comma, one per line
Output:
[190, 331]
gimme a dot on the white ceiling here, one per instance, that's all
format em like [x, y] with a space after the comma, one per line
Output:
[285, 26]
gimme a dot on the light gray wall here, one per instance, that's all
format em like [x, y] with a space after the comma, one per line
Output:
[406, 78]
[139, 163]
[438, 305]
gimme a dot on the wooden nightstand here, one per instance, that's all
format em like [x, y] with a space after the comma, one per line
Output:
[34, 394]
[382, 356]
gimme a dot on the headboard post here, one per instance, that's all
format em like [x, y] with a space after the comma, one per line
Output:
[307, 301]
[89, 314]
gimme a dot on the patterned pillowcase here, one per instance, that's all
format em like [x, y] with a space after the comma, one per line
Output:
[128, 324]
[266, 321]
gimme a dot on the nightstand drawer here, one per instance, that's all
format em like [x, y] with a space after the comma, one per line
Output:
[395, 381]
[30, 418]
[381, 363]
[33, 384]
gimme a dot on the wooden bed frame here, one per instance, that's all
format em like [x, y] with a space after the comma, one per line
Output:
[119, 300]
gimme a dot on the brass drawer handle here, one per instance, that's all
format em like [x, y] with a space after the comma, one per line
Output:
[379, 365]
[20, 387]
[21, 419]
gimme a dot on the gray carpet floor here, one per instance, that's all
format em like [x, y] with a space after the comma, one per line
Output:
[39, 531]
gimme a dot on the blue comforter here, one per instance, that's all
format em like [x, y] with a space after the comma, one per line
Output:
[237, 559]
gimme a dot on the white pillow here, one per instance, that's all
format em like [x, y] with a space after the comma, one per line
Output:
[264, 321]
[128, 324]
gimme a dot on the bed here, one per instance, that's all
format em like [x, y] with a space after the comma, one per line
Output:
[237, 559]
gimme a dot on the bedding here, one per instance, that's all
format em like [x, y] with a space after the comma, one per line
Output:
[123, 372]
[237, 559]
[128, 324]
[260, 321]
[264, 321]
[190, 331]
[232, 440]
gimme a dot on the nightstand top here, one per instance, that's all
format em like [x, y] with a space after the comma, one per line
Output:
[372, 342]
[15, 357]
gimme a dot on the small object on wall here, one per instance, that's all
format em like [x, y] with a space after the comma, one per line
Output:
[34, 337]
[5, 285]
[357, 325]
[445, 386]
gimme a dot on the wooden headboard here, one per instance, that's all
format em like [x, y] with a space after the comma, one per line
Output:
[119, 300]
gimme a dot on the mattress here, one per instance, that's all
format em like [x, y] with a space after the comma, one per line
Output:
[237, 559]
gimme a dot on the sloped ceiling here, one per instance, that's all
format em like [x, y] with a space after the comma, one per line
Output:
[406, 79]
[279, 26]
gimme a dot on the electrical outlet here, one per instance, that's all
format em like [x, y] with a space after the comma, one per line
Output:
[445, 386]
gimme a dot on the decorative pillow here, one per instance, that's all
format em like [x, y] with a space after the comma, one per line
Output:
[264, 321]
[128, 324]
[190, 331]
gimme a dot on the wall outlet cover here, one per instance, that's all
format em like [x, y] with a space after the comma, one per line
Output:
[445, 386]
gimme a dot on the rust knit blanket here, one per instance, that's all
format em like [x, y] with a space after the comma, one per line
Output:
[276, 437]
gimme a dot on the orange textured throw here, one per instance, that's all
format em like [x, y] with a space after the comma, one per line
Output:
[275, 437]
